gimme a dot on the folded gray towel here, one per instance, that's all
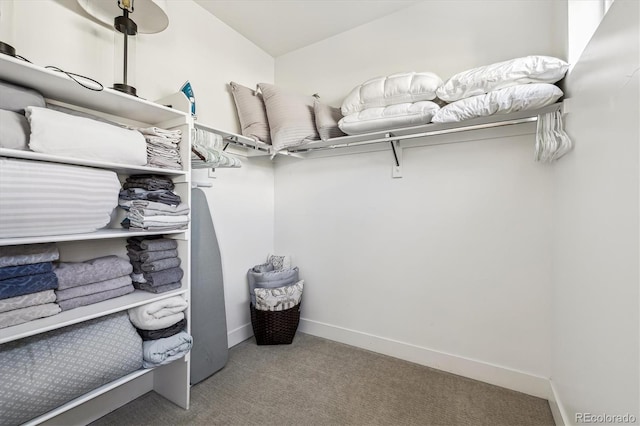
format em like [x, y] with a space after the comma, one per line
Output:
[164, 277]
[26, 254]
[90, 299]
[27, 300]
[22, 315]
[87, 289]
[158, 289]
[73, 274]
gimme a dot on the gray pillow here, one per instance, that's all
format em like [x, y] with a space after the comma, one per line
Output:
[327, 118]
[271, 279]
[291, 117]
[14, 130]
[251, 113]
[17, 98]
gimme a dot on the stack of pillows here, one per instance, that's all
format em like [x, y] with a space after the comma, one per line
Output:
[283, 119]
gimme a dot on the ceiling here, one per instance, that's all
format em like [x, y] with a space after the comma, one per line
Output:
[281, 26]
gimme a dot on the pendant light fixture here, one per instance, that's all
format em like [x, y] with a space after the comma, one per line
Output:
[128, 18]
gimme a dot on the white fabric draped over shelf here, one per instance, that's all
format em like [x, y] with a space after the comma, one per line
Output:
[207, 151]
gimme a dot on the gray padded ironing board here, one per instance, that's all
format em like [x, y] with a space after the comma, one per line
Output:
[208, 318]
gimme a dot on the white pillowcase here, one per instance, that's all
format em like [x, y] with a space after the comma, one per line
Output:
[511, 99]
[528, 69]
[394, 89]
[390, 117]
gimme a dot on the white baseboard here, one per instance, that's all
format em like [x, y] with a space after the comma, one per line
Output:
[557, 409]
[239, 335]
[478, 370]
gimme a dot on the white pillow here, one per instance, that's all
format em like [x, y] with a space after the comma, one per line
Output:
[476, 81]
[279, 299]
[511, 99]
[390, 117]
[394, 89]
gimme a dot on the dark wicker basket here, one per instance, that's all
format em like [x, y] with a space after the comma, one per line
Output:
[275, 327]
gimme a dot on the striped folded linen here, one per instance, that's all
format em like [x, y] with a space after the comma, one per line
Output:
[40, 198]
[27, 300]
[54, 132]
[73, 274]
[22, 315]
[28, 253]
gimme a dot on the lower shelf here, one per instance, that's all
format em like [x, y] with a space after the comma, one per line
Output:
[83, 313]
[89, 396]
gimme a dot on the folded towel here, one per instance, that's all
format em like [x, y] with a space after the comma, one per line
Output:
[152, 244]
[163, 332]
[87, 289]
[155, 266]
[27, 300]
[27, 254]
[54, 132]
[22, 315]
[22, 270]
[157, 131]
[149, 256]
[163, 277]
[156, 161]
[19, 286]
[138, 221]
[152, 208]
[159, 314]
[161, 196]
[90, 299]
[149, 182]
[158, 289]
[163, 351]
[73, 274]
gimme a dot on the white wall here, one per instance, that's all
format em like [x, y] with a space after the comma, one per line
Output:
[453, 258]
[595, 362]
[196, 47]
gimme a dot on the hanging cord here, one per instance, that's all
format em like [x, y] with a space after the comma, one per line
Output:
[73, 76]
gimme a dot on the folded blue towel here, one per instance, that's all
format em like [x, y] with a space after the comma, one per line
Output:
[23, 270]
[28, 284]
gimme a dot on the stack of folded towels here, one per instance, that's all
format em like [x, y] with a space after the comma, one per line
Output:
[27, 283]
[92, 281]
[163, 147]
[152, 205]
[161, 325]
[156, 265]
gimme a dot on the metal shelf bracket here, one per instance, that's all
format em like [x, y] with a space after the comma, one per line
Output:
[396, 148]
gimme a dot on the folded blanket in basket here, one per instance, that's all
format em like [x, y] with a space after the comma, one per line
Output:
[73, 274]
[152, 244]
[27, 254]
[280, 298]
[22, 270]
[157, 289]
[149, 256]
[159, 314]
[19, 286]
[90, 299]
[27, 300]
[164, 332]
[163, 351]
[87, 289]
[30, 313]
[271, 279]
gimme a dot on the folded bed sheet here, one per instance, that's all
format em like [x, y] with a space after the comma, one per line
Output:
[40, 198]
[40, 373]
[57, 133]
[163, 351]
[27, 300]
[30, 313]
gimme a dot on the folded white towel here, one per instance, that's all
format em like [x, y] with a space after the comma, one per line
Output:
[160, 314]
[54, 132]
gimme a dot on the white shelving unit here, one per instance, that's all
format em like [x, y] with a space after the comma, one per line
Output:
[171, 380]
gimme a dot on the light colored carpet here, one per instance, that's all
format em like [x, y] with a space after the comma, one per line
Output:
[320, 382]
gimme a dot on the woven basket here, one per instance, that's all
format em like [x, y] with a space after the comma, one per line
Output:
[275, 327]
